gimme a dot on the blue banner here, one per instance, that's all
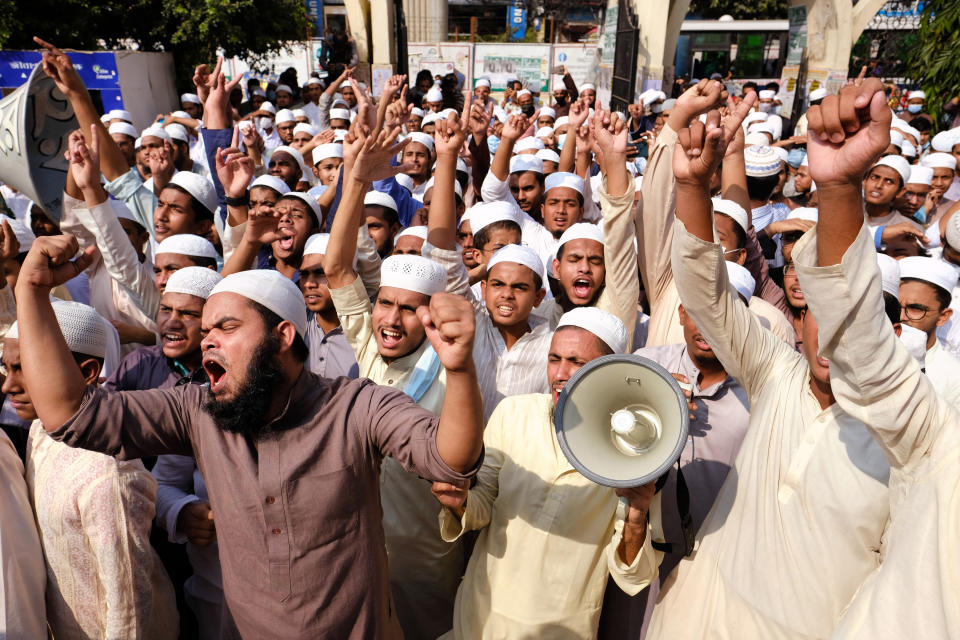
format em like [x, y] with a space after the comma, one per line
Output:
[315, 16]
[98, 69]
[516, 21]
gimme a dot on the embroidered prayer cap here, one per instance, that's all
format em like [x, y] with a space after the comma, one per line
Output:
[84, 330]
[199, 187]
[413, 273]
[761, 161]
[193, 281]
[188, 244]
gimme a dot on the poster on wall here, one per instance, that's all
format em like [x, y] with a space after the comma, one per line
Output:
[788, 90]
[580, 60]
[439, 59]
[500, 62]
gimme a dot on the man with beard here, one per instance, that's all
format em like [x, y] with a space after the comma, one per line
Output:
[93, 512]
[300, 451]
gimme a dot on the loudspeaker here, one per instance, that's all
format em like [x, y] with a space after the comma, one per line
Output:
[35, 125]
[622, 420]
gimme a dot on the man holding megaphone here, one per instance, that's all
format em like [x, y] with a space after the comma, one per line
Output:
[550, 536]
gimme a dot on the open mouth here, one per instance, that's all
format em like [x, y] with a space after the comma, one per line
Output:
[505, 309]
[823, 362]
[390, 338]
[796, 292]
[702, 344]
[285, 243]
[311, 298]
[216, 372]
[581, 287]
[174, 339]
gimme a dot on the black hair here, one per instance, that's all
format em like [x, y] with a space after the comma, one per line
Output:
[299, 348]
[423, 76]
[289, 196]
[482, 237]
[80, 358]
[921, 124]
[761, 187]
[773, 86]
[891, 307]
[537, 280]
[943, 296]
[560, 251]
[738, 231]
[203, 261]
[200, 212]
[389, 214]
[748, 85]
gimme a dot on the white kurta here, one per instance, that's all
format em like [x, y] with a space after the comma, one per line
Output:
[798, 522]
[916, 590]
[943, 369]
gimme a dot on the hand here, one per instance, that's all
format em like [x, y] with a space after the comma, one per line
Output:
[398, 112]
[85, 161]
[479, 120]
[161, 166]
[932, 200]
[262, 227]
[450, 136]
[737, 144]
[195, 521]
[216, 108]
[369, 155]
[252, 140]
[578, 113]
[700, 98]
[610, 133]
[903, 229]
[786, 226]
[515, 127]
[452, 496]
[365, 111]
[59, 67]
[701, 147]
[687, 393]
[324, 137]
[201, 79]
[234, 168]
[9, 245]
[392, 86]
[639, 499]
[50, 263]
[450, 327]
[847, 132]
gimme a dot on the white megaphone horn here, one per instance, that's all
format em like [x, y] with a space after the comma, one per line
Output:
[622, 421]
[35, 124]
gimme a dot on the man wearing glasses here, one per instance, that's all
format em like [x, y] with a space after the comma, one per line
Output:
[926, 286]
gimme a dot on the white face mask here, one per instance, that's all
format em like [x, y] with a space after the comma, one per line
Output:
[915, 341]
[765, 107]
[265, 123]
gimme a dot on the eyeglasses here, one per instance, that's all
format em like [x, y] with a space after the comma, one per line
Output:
[789, 269]
[915, 311]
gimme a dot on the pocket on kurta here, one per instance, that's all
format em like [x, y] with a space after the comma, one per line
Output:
[325, 506]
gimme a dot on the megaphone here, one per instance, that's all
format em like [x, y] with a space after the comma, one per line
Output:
[622, 420]
[35, 125]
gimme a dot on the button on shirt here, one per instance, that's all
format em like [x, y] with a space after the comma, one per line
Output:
[797, 524]
[325, 573]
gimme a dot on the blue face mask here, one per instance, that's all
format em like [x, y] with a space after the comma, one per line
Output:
[914, 108]
[921, 215]
[492, 143]
[560, 140]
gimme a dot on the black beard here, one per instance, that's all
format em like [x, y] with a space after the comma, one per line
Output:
[246, 414]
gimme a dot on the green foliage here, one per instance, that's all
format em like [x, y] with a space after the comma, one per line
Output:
[933, 62]
[740, 9]
[193, 30]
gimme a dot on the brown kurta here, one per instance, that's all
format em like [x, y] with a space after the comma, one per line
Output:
[298, 513]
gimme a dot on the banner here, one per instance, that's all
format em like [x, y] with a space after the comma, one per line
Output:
[315, 16]
[98, 69]
[580, 60]
[798, 34]
[527, 62]
[516, 21]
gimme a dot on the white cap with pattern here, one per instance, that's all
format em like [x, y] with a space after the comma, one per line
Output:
[413, 273]
[193, 281]
[188, 244]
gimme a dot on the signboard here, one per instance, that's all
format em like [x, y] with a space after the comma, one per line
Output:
[527, 62]
[438, 59]
[516, 21]
[816, 79]
[608, 41]
[98, 69]
[798, 34]
[836, 80]
[580, 60]
[788, 90]
[315, 16]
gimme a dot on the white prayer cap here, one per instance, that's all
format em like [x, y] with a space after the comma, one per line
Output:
[528, 143]
[430, 118]
[188, 244]
[500, 114]
[193, 281]
[603, 324]
[313, 80]
[404, 181]
[124, 128]
[285, 115]
[84, 330]
[544, 132]
[754, 116]
[199, 187]
[898, 164]
[259, 92]
[120, 114]
[268, 107]
[105, 118]
[303, 127]
[527, 162]
[456, 187]
[520, 255]
[818, 94]
[908, 150]
[563, 179]
[433, 95]
[308, 200]
[446, 113]
[177, 132]
[889, 274]
[782, 153]
[316, 244]
[917, 94]
[271, 182]
[270, 289]
[581, 231]
[767, 94]
[940, 160]
[912, 131]
[804, 213]
[945, 141]
[157, 132]
[339, 114]
[761, 161]
[546, 155]
[284, 87]
[732, 209]
[920, 175]
[180, 114]
[379, 199]
[936, 272]
[417, 112]
[896, 138]
[416, 231]
[24, 234]
[524, 92]
[136, 143]
[548, 112]
[293, 153]
[190, 97]
[953, 232]
[300, 113]
[339, 135]
[413, 273]
[483, 82]
[806, 160]
[741, 279]
[587, 85]
[328, 150]
[484, 214]
[756, 138]
[422, 138]
[559, 122]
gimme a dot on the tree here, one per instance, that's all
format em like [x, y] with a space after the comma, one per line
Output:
[192, 30]
[933, 62]
[740, 9]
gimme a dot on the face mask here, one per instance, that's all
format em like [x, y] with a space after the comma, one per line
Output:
[921, 215]
[265, 123]
[789, 188]
[765, 107]
[492, 143]
[915, 341]
[775, 109]
[528, 110]
[561, 101]
[914, 108]
[561, 139]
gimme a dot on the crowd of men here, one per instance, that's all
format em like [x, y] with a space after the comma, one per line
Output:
[289, 370]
